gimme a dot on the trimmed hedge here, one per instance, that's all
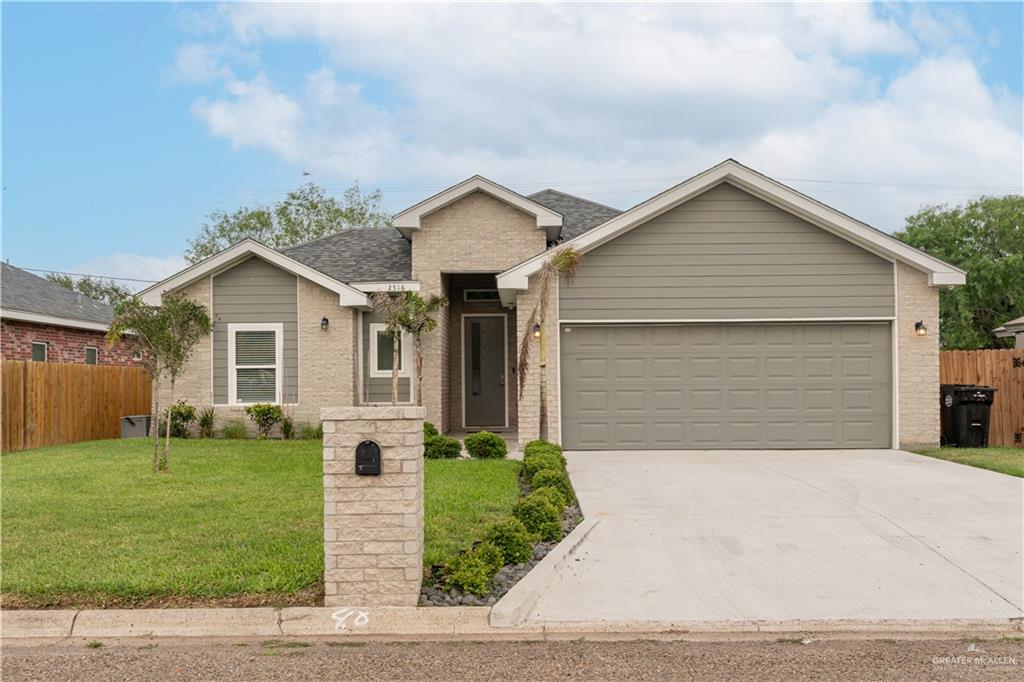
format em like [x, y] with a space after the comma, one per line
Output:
[473, 570]
[485, 445]
[429, 430]
[512, 538]
[540, 516]
[554, 496]
[441, 447]
[533, 463]
[538, 446]
[556, 480]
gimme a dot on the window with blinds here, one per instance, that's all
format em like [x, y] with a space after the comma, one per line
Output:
[256, 363]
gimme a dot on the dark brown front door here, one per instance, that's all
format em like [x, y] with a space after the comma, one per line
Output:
[483, 371]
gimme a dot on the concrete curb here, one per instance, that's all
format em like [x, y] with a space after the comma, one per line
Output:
[515, 606]
[440, 623]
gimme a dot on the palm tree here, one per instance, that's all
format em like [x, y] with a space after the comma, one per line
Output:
[391, 307]
[419, 320]
[563, 263]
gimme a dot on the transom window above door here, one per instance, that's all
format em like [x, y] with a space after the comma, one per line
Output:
[255, 362]
[382, 352]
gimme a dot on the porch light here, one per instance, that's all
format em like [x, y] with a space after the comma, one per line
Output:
[536, 331]
[920, 328]
[323, 323]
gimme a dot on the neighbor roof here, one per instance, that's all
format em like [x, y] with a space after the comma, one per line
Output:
[578, 214]
[1010, 328]
[24, 296]
[360, 255]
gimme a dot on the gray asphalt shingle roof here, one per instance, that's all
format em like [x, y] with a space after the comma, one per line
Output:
[578, 215]
[20, 290]
[370, 255]
[359, 255]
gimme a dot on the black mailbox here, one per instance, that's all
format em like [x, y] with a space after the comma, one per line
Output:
[368, 459]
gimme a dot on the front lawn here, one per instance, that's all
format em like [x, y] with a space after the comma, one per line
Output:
[1004, 460]
[235, 522]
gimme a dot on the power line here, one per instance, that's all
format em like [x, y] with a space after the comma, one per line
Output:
[81, 274]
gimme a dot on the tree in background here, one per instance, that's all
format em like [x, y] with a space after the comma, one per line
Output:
[165, 337]
[391, 308]
[304, 214]
[106, 290]
[985, 238]
[419, 320]
[563, 263]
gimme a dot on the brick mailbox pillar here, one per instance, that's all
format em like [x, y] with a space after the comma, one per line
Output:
[373, 524]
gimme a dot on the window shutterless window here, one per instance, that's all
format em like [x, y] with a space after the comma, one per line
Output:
[39, 351]
[92, 355]
[381, 352]
[255, 363]
[479, 295]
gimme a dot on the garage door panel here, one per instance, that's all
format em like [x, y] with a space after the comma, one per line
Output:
[727, 386]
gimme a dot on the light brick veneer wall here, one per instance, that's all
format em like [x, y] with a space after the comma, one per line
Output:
[918, 358]
[327, 359]
[477, 233]
[373, 525]
[529, 404]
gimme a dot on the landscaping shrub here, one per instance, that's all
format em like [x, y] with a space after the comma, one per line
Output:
[486, 445]
[206, 416]
[311, 432]
[182, 415]
[265, 416]
[235, 429]
[472, 571]
[429, 430]
[542, 460]
[441, 447]
[556, 480]
[287, 428]
[538, 446]
[552, 495]
[540, 516]
[512, 538]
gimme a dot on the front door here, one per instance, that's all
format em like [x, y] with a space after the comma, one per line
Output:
[483, 371]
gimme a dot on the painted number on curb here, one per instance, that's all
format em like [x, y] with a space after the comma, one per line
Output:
[343, 618]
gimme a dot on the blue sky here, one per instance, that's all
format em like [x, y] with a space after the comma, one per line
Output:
[125, 124]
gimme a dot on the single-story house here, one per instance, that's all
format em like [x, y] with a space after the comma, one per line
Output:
[729, 311]
[1014, 329]
[45, 322]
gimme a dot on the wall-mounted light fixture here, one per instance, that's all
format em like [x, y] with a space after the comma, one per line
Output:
[323, 323]
[536, 331]
[920, 328]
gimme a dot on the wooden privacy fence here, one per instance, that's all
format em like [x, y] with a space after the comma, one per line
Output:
[49, 403]
[1001, 369]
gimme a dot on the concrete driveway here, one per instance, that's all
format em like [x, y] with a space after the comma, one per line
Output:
[779, 535]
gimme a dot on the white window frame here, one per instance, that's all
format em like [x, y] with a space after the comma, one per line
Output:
[407, 343]
[278, 329]
[95, 348]
[46, 350]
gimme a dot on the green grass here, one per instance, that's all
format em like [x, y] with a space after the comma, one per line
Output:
[462, 497]
[91, 524]
[1004, 460]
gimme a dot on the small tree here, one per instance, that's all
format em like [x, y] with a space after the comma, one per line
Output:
[419, 320]
[391, 307]
[165, 337]
[563, 263]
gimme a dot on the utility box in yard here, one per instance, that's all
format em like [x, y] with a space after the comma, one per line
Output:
[136, 425]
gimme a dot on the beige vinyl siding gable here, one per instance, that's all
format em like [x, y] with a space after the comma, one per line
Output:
[255, 291]
[726, 254]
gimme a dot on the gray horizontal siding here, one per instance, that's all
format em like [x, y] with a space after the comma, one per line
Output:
[255, 291]
[728, 255]
[378, 389]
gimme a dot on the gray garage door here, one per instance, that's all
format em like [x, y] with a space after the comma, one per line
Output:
[726, 386]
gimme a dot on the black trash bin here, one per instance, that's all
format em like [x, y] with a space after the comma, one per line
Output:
[136, 425]
[965, 414]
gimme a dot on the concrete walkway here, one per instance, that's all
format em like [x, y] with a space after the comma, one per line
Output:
[770, 535]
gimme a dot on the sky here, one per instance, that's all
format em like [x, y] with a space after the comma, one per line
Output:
[125, 124]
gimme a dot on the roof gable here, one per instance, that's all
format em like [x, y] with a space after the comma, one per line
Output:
[410, 219]
[762, 187]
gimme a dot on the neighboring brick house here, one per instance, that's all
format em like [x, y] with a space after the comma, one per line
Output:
[45, 322]
[729, 311]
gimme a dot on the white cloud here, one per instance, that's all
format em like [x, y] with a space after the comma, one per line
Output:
[529, 93]
[132, 266]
